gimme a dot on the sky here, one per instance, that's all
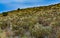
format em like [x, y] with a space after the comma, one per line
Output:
[8, 5]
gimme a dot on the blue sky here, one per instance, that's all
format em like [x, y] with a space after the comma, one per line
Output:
[8, 5]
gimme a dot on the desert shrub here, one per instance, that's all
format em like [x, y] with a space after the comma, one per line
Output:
[5, 13]
[55, 28]
[18, 9]
[43, 22]
[27, 22]
[4, 25]
[15, 28]
[58, 33]
[39, 31]
[2, 35]
[20, 32]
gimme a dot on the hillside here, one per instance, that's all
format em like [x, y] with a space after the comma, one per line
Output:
[35, 22]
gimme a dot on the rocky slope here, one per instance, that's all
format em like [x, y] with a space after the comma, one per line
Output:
[35, 22]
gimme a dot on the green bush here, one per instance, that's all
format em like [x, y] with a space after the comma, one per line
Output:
[18, 9]
[5, 13]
